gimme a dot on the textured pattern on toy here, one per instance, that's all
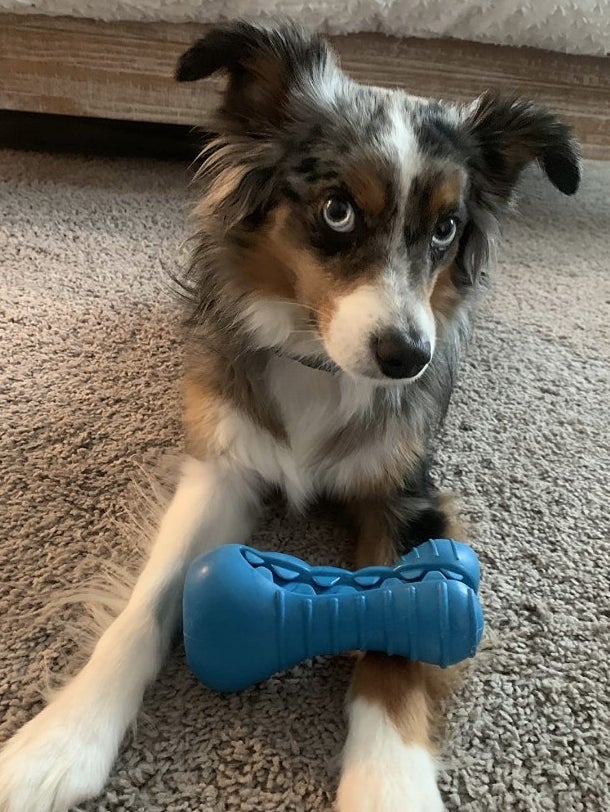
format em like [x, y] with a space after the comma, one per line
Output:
[249, 614]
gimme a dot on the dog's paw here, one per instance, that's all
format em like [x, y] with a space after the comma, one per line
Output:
[405, 783]
[381, 772]
[56, 760]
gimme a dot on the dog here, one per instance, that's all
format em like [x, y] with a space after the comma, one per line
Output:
[340, 243]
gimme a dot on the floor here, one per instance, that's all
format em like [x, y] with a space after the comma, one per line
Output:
[88, 395]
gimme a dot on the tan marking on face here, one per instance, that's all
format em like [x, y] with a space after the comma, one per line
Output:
[275, 264]
[264, 268]
[366, 186]
[444, 297]
[445, 195]
[320, 289]
[315, 284]
[298, 273]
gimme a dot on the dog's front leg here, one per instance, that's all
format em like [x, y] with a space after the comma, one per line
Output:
[389, 760]
[64, 754]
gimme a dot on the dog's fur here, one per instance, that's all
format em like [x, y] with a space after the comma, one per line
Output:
[285, 385]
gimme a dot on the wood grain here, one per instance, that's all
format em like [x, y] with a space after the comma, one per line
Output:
[124, 71]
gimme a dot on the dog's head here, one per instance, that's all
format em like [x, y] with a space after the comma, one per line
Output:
[369, 210]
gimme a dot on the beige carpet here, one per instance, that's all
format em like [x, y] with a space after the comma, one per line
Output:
[89, 362]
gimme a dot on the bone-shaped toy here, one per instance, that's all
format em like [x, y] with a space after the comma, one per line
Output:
[249, 614]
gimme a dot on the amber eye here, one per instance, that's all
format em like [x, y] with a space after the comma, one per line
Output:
[444, 233]
[339, 214]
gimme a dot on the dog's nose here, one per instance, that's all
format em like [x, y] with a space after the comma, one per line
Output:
[400, 356]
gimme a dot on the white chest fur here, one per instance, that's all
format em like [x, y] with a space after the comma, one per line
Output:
[315, 406]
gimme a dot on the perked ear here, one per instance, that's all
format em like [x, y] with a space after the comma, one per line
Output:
[264, 65]
[510, 133]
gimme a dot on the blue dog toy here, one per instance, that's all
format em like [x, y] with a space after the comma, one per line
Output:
[249, 614]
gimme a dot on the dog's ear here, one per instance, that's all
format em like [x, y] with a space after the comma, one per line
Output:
[264, 65]
[508, 134]
[503, 136]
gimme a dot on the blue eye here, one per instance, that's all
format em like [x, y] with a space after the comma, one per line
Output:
[444, 233]
[339, 214]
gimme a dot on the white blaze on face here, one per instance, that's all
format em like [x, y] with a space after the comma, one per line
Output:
[401, 143]
[367, 311]
[391, 302]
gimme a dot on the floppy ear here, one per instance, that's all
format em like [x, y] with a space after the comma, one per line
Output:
[264, 65]
[508, 134]
[503, 137]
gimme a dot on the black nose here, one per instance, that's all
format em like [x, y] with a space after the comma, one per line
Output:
[399, 356]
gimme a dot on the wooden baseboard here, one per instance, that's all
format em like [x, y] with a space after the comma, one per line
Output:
[123, 70]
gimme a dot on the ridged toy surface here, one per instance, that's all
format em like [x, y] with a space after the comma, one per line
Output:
[249, 614]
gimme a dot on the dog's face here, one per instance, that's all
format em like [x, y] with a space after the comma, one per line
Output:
[369, 209]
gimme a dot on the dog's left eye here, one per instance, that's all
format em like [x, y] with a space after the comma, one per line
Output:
[444, 233]
[339, 214]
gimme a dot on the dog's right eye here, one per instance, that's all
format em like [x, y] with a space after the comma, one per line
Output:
[444, 233]
[338, 214]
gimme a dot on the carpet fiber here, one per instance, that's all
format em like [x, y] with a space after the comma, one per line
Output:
[88, 393]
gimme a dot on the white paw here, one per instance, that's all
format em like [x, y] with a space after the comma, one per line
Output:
[371, 787]
[54, 761]
[381, 773]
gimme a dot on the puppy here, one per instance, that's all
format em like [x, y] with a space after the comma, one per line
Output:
[341, 238]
